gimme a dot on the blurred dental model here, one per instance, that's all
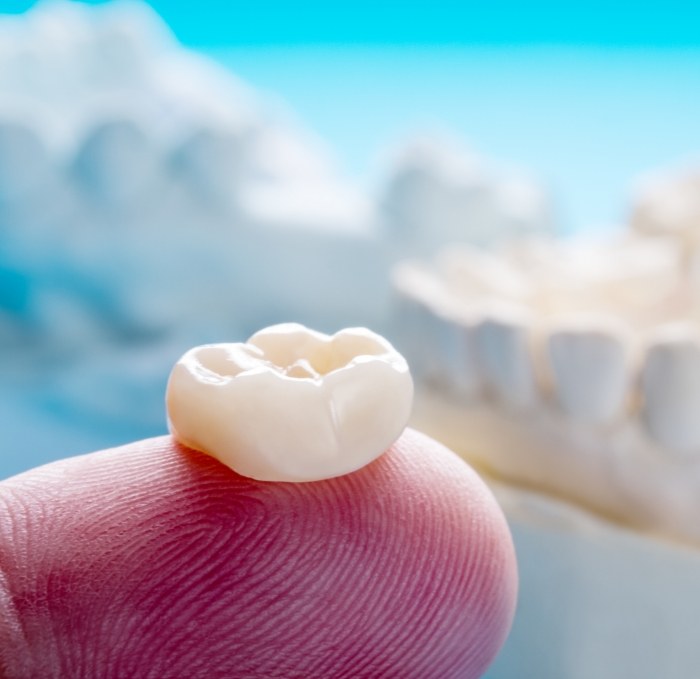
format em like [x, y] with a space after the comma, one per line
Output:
[668, 203]
[438, 193]
[591, 346]
[149, 201]
[141, 160]
[126, 159]
[568, 372]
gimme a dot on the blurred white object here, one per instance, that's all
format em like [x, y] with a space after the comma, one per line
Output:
[671, 384]
[24, 161]
[168, 187]
[439, 193]
[596, 600]
[588, 428]
[589, 369]
[149, 201]
[117, 164]
[151, 191]
[668, 203]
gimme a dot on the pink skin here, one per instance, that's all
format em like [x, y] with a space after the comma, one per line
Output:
[153, 560]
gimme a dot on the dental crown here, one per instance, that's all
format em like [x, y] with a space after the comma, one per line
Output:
[291, 404]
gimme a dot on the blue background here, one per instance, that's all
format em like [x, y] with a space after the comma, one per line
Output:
[586, 95]
[222, 22]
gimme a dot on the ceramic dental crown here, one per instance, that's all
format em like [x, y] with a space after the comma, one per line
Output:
[291, 404]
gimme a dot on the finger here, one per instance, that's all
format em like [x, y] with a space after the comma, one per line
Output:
[152, 560]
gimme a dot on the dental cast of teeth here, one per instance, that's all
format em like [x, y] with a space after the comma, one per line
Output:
[669, 204]
[571, 366]
[291, 404]
[438, 192]
[141, 142]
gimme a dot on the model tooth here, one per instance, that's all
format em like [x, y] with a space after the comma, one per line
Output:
[438, 335]
[291, 404]
[525, 207]
[436, 177]
[669, 205]
[589, 365]
[415, 287]
[24, 160]
[671, 389]
[454, 345]
[117, 162]
[505, 358]
[212, 162]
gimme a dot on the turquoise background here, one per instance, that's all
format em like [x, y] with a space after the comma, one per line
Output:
[585, 95]
[505, 22]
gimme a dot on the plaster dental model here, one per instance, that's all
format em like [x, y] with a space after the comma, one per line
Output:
[115, 139]
[131, 139]
[156, 560]
[126, 159]
[669, 204]
[337, 402]
[583, 365]
[582, 350]
[438, 192]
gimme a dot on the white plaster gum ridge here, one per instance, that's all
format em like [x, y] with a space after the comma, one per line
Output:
[598, 600]
[599, 477]
[618, 472]
[292, 404]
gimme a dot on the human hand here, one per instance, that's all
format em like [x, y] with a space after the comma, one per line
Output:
[153, 560]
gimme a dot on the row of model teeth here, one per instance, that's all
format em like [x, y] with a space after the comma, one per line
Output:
[120, 160]
[592, 370]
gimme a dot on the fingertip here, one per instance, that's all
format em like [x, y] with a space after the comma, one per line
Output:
[404, 568]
